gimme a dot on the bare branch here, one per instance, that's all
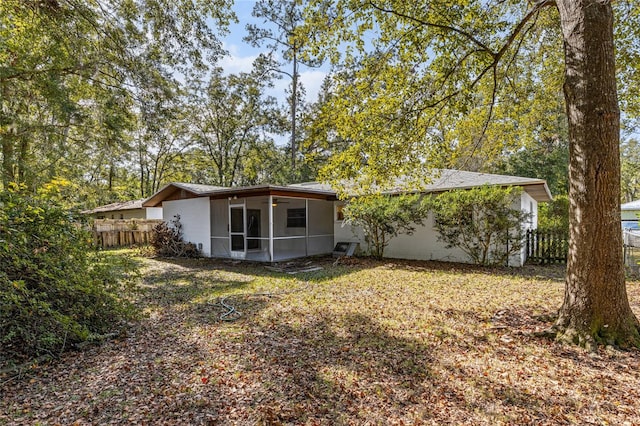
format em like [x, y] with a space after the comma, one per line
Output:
[539, 4]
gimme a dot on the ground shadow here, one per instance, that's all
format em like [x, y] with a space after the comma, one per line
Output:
[332, 268]
[339, 370]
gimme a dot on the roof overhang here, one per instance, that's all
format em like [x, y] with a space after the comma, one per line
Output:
[280, 191]
[536, 188]
[538, 191]
[171, 191]
[631, 206]
[175, 191]
[116, 207]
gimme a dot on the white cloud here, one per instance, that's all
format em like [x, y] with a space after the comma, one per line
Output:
[235, 63]
[312, 82]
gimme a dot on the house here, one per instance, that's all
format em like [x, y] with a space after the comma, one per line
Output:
[274, 223]
[125, 210]
[630, 213]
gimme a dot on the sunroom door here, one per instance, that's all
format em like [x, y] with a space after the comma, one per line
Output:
[237, 231]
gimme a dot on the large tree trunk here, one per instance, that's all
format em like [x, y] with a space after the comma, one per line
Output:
[595, 308]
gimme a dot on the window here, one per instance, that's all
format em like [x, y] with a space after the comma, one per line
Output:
[296, 218]
[339, 213]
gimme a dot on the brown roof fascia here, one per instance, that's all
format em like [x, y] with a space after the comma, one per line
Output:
[169, 193]
[266, 191]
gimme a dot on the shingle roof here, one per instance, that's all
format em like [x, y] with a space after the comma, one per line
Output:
[443, 180]
[124, 205]
[197, 188]
[448, 179]
[316, 186]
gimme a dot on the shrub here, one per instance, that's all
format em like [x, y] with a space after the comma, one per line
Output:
[383, 217]
[554, 215]
[56, 290]
[481, 221]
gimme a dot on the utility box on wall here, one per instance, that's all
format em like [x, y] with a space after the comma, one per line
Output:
[345, 249]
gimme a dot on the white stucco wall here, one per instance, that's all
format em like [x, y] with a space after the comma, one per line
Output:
[423, 244]
[195, 218]
[346, 233]
[530, 205]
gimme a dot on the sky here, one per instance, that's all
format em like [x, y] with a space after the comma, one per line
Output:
[241, 56]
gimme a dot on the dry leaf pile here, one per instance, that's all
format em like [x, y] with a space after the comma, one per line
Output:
[359, 343]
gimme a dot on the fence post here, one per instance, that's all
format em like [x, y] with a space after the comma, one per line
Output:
[119, 232]
[547, 247]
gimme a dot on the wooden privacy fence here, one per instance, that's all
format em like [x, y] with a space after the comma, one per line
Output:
[123, 232]
[547, 246]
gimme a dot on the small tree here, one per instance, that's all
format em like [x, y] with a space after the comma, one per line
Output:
[481, 222]
[383, 217]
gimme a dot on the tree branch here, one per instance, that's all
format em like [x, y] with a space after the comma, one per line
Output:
[456, 30]
[496, 56]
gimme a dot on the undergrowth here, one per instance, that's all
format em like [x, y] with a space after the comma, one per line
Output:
[56, 289]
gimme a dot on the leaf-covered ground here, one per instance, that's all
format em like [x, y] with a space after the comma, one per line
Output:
[364, 343]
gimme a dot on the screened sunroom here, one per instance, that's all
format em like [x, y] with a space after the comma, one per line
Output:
[265, 223]
[270, 228]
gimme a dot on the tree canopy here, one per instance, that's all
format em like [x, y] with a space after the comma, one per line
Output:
[75, 75]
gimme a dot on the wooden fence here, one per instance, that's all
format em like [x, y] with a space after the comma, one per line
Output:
[123, 232]
[547, 246]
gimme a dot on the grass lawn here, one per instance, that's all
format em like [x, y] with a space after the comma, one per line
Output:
[368, 342]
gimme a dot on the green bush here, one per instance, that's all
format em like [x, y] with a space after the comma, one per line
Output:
[554, 215]
[483, 222]
[56, 290]
[383, 217]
